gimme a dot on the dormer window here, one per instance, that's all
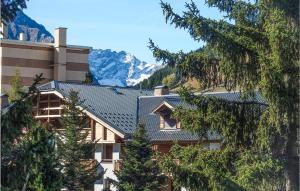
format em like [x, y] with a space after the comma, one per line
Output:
[166, 120]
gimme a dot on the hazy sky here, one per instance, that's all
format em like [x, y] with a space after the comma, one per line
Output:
[117, 24]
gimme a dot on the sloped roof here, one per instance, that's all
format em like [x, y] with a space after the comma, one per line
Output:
[147, 104]
[146, 116]
[114, 105]
[122, 108]
[237, 97]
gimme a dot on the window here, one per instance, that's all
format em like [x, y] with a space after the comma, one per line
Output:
[107, 152]
[169, 123]
[166, 120]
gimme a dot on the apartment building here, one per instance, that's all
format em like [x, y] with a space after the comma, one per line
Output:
[114, 113]
[57, 61]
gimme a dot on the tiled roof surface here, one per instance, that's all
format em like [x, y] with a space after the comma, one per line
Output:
[114, 105]
[120, 107]
[145, 115]
[149, 103]
[236, 97]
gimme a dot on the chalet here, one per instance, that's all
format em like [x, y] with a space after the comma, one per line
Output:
[114, 113]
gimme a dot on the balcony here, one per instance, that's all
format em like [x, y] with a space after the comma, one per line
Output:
[85, 130]
[118, 163]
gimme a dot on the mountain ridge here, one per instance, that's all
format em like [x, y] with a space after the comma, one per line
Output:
[119, 64]
[32, 30]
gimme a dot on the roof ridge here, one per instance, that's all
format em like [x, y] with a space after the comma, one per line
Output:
[45, 84]
[97, 85]
[151, 96]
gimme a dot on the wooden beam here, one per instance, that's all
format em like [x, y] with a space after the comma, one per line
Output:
[46, 116]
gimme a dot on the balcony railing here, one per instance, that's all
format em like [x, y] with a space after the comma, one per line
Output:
[118, 163]
[89, 136]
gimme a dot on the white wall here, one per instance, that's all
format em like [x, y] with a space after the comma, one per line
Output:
[108, 166]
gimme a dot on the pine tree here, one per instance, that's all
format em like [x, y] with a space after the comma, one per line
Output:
[139, 172]
[17, 88]
[44, 168]
[156, 78]
[78, 172]
[27, 159]
[9, 9]
[169, 80]
[257, 50]
[88, 78]
[13, 121]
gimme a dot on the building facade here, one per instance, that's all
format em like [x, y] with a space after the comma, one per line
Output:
[57, 61]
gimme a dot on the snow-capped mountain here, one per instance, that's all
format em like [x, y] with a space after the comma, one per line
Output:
[119, 68]
[108, 67]
[33, 31]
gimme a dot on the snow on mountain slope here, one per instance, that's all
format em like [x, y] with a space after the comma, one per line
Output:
[108, 67]
[33, 31]
[119, 68]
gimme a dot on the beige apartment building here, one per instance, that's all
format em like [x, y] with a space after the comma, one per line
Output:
[57, 61]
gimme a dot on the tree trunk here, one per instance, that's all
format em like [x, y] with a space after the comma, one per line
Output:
[292, 163]
[26, 181]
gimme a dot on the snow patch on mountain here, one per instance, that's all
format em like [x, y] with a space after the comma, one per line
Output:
[33, 31]
[119, 68]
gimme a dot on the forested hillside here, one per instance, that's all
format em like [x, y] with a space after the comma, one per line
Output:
[156, 78]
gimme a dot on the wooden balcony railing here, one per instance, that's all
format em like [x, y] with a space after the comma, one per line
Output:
[118, 163]
[89, 136]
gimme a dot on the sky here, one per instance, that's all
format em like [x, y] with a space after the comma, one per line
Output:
[117, 24]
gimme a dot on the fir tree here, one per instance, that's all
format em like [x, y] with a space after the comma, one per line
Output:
[44, 168]
[88, 78]
[259, 50]
[169, 80]
[156, 78]
[17, 88]
[9, 9]
[27, 159]
[139, 172]
[19, 115]
[79, 173]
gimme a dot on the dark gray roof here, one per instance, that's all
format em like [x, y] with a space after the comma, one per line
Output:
[236, 97]
[175, 100]
[48, 86]
[147, 104]
[122, 108]
[114, 105]
[146, 116]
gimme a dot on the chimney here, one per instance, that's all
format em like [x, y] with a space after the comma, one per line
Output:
[161, 90]
[4, 30]
[22, 36]
[60, 37]
[60, 54]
